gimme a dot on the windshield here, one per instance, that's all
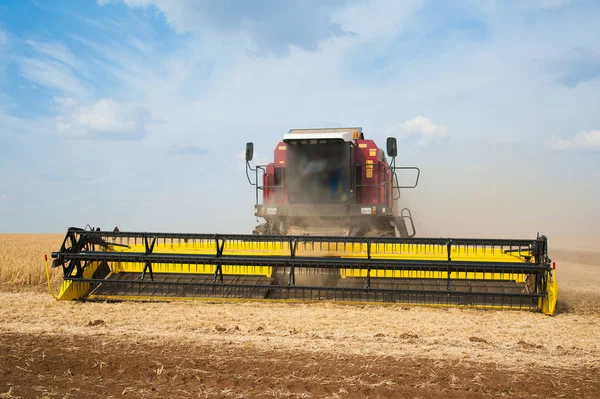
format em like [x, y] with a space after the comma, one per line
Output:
[318, 171]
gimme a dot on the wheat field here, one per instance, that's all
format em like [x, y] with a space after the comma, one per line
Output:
[22, 259]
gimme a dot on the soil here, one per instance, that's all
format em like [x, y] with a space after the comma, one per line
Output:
[45, 365]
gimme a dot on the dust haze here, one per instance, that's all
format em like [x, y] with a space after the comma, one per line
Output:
[483, 205]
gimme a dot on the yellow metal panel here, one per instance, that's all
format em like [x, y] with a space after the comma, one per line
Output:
[71, 290]
[363, 145]
[373, 152]
[424, 274]
[351, 251]
[128, 267]
[369, 169]
[281, 147]
[404, 251]
[202, 247]
[549, 303]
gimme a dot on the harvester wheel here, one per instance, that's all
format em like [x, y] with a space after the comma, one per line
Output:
[380, 232]
[261, 229]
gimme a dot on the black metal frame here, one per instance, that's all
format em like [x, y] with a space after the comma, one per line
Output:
[389, 190]
[262, 187]
[80, 247]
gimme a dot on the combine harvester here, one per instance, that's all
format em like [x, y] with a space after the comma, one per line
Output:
[331, 231]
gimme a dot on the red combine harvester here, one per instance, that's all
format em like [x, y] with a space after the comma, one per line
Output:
[332, 231]
[331, 182]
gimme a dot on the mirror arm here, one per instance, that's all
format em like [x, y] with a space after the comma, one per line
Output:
[247, 174]
[397, 187]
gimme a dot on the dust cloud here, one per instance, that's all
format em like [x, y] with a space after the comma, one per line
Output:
[489, 206]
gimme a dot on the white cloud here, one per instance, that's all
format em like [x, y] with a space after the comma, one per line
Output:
[105, 119]
[55, 50]
[64, 101]
[267, 26]
[573, 67]
[190, 150]
[98, 180]
[3, 196]
[553, 3]
[52, 65]
[12, 126]
[424, 128]
[377, 20]
[584, 140]
[51, 74]
[539, 4]
[137, 44]
[137, 3]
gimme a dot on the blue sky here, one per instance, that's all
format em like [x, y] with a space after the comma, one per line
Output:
[135, 112]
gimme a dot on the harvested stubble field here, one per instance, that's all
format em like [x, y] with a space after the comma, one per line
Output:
[212, 349]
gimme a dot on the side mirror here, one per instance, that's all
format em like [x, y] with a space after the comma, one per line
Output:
[392, 147]
[249, 151]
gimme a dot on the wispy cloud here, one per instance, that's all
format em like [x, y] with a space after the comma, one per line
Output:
[267, 27]
[52, 75]
[573, 67]
[12, 126]
[52, 65]
[97, 180]
[108, 119]
[187, 150]
[64, 102]
[584, 140]
[137, 44]
[422, 127]
[55, 50]
[541, 4]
